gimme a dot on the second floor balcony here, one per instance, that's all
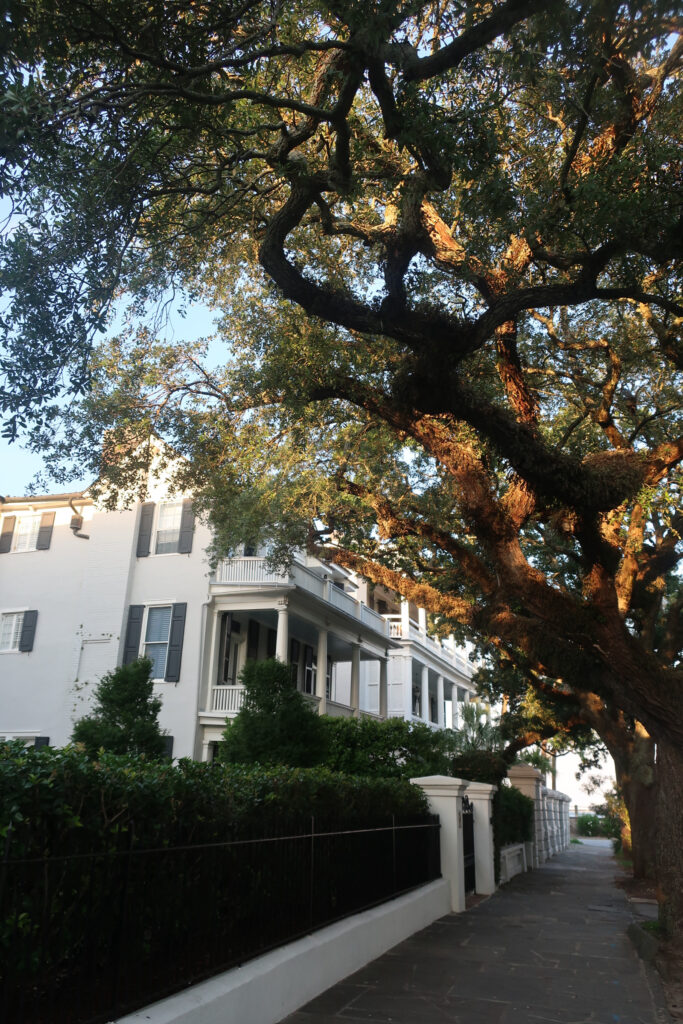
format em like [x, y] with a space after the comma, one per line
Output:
[253, 573]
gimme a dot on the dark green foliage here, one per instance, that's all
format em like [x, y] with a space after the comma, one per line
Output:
[275, 725]
[480, 766]
[595, 825]
[60, 801]
[515, 818]
[393, 748]
[125, 717]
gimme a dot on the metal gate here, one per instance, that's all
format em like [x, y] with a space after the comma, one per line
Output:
[468, 843]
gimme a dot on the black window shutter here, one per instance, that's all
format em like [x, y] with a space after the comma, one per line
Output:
[6, 535]
[47, 521]
[175, 643]
[271, 643]
[131, 647]
[168, 747]
[294, 654]
[28, 631]
[252, 639]
[186, 528]
[41, 741]
[145, 529]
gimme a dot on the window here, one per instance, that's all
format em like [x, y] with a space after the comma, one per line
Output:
[156, 639]
[10, 631]
[29, 532]
[17, 631]
[156, 632]
[26, 533]
[229, 650]
[168, 527]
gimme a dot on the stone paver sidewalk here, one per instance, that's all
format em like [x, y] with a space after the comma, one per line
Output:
[549, 948]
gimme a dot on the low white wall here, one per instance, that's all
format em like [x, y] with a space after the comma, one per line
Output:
[512, 861]
[269, 988]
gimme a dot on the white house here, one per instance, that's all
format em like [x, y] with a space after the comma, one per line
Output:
[83, 589]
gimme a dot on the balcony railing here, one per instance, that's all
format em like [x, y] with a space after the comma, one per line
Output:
[398, 631]
[250, 572]
[227, 698]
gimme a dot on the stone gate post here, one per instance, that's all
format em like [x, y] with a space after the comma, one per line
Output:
[528, 780]
[481, 794]
[445, 799]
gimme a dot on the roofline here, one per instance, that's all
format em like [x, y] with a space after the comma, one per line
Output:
[34, 499]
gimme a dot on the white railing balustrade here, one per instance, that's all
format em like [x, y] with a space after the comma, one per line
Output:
[227, 698]
[247, 570]
[343, 601]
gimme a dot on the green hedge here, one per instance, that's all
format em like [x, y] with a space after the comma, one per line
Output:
[59, 801]
[515, 819]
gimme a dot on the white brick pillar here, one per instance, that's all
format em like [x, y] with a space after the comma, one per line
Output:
[481, 796]
[321, 672]
[282, 635]
[424, 694]
[528, 781]
[445, 799]
[440, 699]
[383, 687]
[355, 680]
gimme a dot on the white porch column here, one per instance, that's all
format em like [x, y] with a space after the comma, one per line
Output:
[424, 695]
[481, 795]
[422, 619]
[383, 687]
[445, 799]
[282, 636]
[405, 619]
[355, 680]
[528, 781]
[212, 661]
[440, 711]
[321, 672]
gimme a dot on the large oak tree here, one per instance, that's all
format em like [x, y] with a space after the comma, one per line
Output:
[447, 240]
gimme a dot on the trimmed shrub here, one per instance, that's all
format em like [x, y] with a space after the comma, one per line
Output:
[276, 726]
[514, 821]
[124, 719]
[391, 749]
[61, 801]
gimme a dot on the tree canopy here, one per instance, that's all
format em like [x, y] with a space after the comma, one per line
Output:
[446, 240]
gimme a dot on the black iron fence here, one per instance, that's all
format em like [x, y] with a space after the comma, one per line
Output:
[87, 937]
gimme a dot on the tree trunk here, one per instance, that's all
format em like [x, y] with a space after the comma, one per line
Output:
[640, 800]
[669, 845]
[634, 762]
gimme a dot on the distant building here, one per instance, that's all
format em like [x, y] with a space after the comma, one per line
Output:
[83, 589]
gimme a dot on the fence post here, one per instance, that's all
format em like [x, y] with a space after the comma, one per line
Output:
[528, 781]
[481, 794]
[120, 930]
[445, 799]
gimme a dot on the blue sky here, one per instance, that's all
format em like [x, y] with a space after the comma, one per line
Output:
[18, 466]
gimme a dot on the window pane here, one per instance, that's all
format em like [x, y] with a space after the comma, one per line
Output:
[26, 535]
[158, 622]
[168, 527]
[10, 631]
[157, 655]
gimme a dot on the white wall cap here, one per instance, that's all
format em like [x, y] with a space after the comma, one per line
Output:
[524, 771]
[481, 789]
[441, 785]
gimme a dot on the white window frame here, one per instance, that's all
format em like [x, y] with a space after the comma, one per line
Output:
[158, 518]
[143, 634]
[16, 632]
[35, 517]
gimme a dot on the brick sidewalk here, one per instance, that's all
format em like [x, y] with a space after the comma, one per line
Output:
[549, 948]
